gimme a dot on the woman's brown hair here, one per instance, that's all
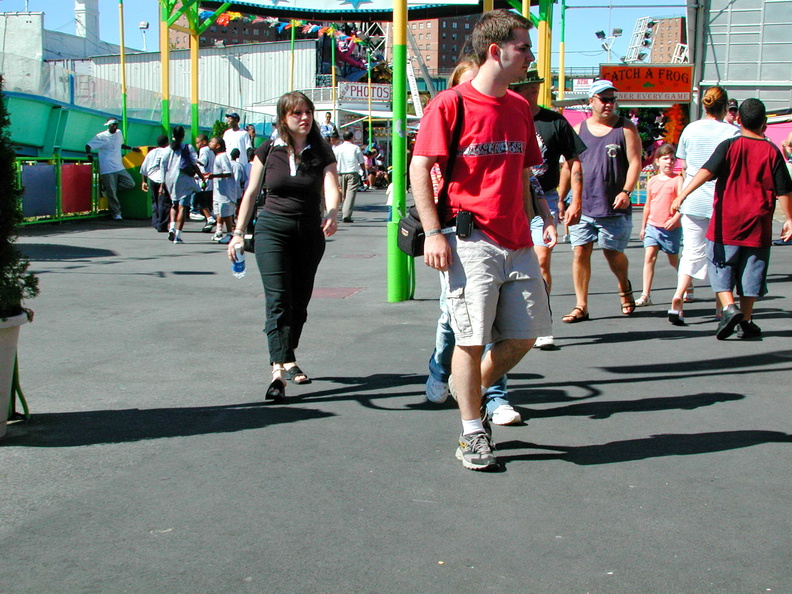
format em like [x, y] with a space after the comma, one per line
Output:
[716, 102]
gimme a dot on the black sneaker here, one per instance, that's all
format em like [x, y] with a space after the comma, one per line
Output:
[730, 317]
[475, 451]
[171, 234]
[749, 330]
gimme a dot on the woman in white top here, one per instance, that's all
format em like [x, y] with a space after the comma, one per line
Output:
[696, 145]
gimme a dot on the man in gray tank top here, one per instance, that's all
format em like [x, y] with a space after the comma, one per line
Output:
[611, 165]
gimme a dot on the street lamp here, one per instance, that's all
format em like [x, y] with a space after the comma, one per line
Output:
[143, 26]
[607, 42]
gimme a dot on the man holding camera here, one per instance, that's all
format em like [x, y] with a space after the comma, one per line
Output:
[495, 289]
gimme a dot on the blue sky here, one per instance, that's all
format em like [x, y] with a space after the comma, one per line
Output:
[583, 48]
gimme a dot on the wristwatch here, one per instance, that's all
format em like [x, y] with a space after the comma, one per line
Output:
[628, 192]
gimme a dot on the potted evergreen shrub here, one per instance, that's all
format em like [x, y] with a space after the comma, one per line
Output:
[16, 283]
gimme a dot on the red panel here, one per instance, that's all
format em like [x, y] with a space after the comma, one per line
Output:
[76, 183]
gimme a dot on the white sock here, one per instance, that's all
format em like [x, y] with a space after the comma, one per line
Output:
[172, 227]
[474, 426]
[178, 232]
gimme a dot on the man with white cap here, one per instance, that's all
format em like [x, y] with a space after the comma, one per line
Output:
[611, 165]
[114, 176]
[236, 137]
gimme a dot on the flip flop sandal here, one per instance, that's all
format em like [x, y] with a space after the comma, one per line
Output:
[676, 317]
[574, 317]
[293, 373]
[276, 391]
[627, 307]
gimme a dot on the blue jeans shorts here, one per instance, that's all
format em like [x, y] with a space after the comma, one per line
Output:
[613, 233]
[667, 240]
[537, 224]
[733, 265]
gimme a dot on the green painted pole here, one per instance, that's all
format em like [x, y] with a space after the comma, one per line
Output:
[370, 126]
[291, 69]
[165, 66]
[398, 262]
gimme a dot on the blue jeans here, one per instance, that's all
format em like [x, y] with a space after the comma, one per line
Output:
[440, 361]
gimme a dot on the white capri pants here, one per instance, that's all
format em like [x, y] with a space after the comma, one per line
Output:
[693, 261]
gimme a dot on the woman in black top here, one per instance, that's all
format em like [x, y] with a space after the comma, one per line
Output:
[298, 170]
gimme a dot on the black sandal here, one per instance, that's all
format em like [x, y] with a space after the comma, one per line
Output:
[276, 391]
[628, 306]
[292, 373]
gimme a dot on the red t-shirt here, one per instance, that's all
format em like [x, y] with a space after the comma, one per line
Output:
[498, 141]
[750, 173]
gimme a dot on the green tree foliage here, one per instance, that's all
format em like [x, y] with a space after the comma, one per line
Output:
[16, 283]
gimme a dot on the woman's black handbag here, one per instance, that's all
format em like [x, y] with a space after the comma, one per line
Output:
[411, 236]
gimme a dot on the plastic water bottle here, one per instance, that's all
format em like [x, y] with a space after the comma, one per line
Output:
[238, 265]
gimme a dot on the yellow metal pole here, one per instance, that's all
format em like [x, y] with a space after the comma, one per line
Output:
[194, 122]
[489, 5]
[165, 67]
[124, 122]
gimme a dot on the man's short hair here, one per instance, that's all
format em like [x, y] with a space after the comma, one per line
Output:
[162, 140]
[202, 137]
[753, 114]
[348, 135]
[496, 26]
[235, 153]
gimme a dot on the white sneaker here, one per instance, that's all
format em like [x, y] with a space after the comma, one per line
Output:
[505, 415]
[643, 300]
[217, 237]
[545, 343]
[436, 391]
[178, 239]
[118, 217]
[211, 221]
[197, 217]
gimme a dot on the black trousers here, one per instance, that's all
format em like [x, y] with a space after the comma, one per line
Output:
[288, 252]
[160, 206]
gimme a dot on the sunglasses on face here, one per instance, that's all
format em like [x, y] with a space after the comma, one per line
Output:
[606, 100]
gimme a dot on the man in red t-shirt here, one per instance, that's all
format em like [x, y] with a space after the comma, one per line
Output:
[495, 289]
[750, 174]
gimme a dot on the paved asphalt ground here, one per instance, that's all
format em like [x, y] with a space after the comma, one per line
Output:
[653, 458]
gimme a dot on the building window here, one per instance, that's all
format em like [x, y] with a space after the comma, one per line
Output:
[428, 35]
[420, 25]
[429, 25]
[453, 36]
[420, 36]
[453, 25]
[467, 25]
[213, 28]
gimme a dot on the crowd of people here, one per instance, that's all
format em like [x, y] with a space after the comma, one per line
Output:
[518, 172]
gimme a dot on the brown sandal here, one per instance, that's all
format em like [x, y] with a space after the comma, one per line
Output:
[628, 306]
[578, 314]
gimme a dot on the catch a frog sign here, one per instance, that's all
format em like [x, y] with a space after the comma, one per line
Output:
[669, 83]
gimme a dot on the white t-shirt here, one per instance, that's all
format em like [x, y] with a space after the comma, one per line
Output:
[152, 165]
[349, 157]
[108, 146]
[696, 145]
[239, 139]
[226, 189]
[206, 160]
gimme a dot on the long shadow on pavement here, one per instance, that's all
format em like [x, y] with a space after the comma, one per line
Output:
[640, 449]
[73, 429]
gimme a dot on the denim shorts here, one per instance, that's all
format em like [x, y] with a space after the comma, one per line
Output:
[667, 240]
[495, 293]
[733, 265]
[537, 224]
[613, 233]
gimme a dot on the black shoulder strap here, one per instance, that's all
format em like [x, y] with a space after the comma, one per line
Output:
[453, 148]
